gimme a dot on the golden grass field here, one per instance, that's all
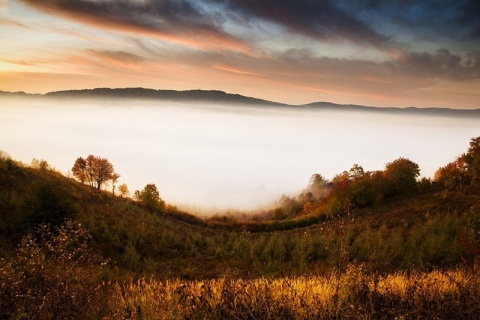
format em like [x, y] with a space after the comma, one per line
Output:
[353, 294]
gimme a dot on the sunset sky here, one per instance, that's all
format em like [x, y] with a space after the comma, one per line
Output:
[379, 53]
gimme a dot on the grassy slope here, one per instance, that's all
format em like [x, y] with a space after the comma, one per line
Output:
[405, 232]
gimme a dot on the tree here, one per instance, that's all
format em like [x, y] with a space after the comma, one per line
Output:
[4, 155]
[340, 196]
[401, 176]
[123, 189]
[464, 171]
[341, 178]
[94, 170]
[150, 197]
[40, 164]
[102, 170]
[317, 185]
[453, 175]
[356, 172]
[472, 162]
[114, 179]
[79, 169]
[364, 189]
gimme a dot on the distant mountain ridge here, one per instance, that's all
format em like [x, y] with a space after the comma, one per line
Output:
[143, 93]
[222, 97]
[391, 110]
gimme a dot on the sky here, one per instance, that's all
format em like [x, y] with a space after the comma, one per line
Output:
[396, 53]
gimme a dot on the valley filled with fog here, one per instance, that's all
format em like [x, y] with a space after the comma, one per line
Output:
[214, 156]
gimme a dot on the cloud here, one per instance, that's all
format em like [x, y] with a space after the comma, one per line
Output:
[322, 20]
[177, 21]
[12, 23]
[237, 25]
[297, 71]
[440, 19]
[442, 64]
[469, 17]
[29, 61]
[117, 57]
[293, 49]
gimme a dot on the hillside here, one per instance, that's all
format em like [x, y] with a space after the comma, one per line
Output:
[370, 245]
[122, 229]
[405, 230]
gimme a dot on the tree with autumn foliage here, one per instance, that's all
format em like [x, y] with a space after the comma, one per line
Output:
[401, 176]
[317, 185]
[123, 189]
[114, 179]
[464, 172]
[94, 170]
[453, 175]
[472, 162]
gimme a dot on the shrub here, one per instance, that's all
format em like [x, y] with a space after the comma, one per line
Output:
[53, 275]
[46, 203]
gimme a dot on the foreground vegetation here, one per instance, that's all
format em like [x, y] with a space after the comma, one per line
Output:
[56, 275]
[375, 245]
[353, 294]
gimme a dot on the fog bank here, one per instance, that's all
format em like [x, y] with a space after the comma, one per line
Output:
[238, 157]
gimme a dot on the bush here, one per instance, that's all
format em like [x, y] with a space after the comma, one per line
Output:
[53, 275]
[46, 203]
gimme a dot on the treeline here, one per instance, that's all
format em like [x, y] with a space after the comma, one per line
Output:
[324, 200]
[356, 189]
[351, 190]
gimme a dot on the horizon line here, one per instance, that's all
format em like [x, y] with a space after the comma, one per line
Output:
[311, 104]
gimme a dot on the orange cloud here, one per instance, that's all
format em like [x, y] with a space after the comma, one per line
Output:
[13, 23]
[375, 79]
[117, 58]
[100, 15]
[315, 89]
[226, 68]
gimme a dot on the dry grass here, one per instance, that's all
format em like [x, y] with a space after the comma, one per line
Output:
[54, 274]
[350, 295]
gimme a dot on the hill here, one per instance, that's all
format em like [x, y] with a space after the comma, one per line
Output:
[172, 95]
[446, 112]
[122, 229]
[18, 94]
[216, 96]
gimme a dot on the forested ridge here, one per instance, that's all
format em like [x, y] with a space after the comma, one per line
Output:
[216, 96]
[368, 224]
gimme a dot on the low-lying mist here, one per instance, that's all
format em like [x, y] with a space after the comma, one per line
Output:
[224, 157]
